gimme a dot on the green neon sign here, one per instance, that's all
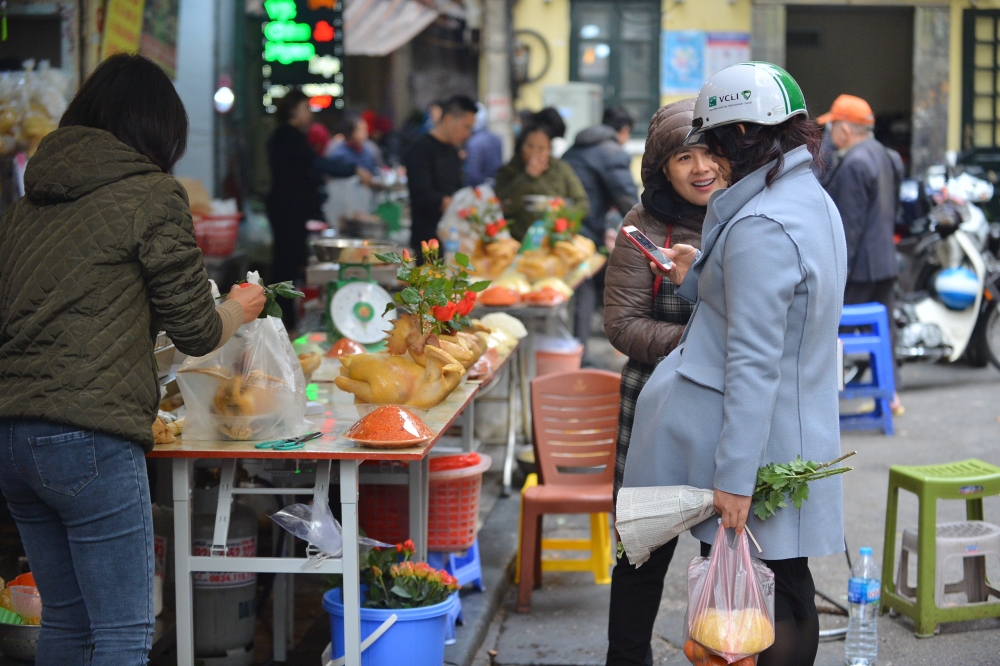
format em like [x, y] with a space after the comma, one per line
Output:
[288, 53]
[280, 10]
[287, 31]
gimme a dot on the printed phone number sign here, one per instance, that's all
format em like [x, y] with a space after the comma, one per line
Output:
[245, 547]
[689, 57]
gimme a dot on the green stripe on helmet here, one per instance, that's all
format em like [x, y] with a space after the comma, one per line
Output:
[795, 100]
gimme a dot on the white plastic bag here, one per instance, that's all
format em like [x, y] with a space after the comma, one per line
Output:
[250, 389]
[315, 524]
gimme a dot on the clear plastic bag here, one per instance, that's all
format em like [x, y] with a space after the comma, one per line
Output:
[464, 198]
[250, 389]
[315, 524]
[730, 599]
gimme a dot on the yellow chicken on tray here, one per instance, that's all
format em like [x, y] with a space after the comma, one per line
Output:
[386, 379]
[556, 261]
[405, 338]
[491, 259]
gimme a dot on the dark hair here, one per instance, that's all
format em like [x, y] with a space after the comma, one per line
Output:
[286, 105]
[349, 123]
[618, 118]
[458, 105]
[531, 129]
[130, 97]
[551, 117]
[761, 144]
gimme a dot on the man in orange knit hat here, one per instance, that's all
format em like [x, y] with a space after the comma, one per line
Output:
[864, 182]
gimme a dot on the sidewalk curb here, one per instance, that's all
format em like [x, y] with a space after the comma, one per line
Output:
[497, 550]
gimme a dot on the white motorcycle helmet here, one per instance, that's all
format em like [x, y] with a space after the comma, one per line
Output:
[750, 92]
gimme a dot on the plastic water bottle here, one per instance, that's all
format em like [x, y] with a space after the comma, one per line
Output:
[451, 246]
[863, 593]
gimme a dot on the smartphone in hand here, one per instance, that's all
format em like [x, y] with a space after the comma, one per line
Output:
[647, 247]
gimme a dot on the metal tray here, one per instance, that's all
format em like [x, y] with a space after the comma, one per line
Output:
[18, 641]
[350, 250]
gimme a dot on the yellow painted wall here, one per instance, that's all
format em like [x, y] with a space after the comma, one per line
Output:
[550, 18]
[710, 15]
[955, 67]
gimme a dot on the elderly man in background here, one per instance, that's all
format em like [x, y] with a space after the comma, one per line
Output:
[863, 180]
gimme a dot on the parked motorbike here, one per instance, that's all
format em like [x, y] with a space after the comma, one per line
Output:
[949, 272]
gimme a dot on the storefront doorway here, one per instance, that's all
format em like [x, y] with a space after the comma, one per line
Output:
[863, 51]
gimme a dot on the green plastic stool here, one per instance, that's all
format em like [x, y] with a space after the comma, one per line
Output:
[968, 480]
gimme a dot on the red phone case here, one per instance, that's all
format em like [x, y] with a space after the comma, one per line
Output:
[649, 255]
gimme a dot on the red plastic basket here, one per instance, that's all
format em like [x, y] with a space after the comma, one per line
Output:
[385, 512]
[453, 507]
[216, 234]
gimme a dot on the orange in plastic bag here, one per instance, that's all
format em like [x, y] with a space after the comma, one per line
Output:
[730, 600]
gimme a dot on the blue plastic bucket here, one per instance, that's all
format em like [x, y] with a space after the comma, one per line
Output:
[416, 639]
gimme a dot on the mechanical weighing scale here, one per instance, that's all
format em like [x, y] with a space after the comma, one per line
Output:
[355, 300]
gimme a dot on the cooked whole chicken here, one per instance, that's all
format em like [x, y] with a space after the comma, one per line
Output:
[557, 261]
[466, 348]
[492, 259]
[385, 379]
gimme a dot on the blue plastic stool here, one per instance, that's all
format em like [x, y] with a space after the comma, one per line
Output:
[466, 568]
[876, 343]
[454, 617]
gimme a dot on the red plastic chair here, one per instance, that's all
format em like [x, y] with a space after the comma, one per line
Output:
[575, 416]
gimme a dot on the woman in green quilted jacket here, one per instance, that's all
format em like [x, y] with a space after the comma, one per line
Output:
[533, 171]
[96, 258]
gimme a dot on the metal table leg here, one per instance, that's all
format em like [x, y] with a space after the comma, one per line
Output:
[526, 360]
[419, 472]
[469, 427]
[512, 387]
[182, 470]
[352, 576]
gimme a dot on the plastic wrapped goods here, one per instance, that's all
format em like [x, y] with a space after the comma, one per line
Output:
[252, 388]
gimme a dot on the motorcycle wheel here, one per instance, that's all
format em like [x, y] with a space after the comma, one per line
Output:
[986, 337]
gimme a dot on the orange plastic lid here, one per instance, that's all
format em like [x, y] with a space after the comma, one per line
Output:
[345, 347]
[24, 579]
[458, 461]
[389, 423]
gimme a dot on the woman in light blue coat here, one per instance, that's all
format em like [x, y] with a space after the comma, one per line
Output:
[754, 378]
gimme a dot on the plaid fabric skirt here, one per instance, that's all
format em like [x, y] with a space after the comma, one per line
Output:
[667, 307]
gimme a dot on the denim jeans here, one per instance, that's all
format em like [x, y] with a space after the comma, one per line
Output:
[81, 502]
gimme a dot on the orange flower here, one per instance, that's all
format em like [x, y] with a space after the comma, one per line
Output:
[444, 312]
[424, 247]
[433, 243]
[492, 230]
[406, 255]
[465, 306]
[560, 225]
[409, 545]
[501, 223]
[464, 213]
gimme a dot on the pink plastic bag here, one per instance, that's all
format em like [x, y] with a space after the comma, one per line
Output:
[730, 599]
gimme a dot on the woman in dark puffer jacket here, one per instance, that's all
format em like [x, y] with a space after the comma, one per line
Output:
[644, 319]
[96, 258]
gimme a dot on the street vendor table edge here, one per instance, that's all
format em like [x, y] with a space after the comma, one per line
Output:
[183, 455]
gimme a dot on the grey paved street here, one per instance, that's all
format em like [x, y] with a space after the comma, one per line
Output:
[953, 413]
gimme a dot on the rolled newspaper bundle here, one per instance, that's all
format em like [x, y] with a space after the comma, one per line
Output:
[647, 518]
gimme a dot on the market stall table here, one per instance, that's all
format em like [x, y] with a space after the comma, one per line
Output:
[535, 317]
[340, 415]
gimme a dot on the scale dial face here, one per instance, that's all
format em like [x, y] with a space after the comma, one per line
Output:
[356, 310]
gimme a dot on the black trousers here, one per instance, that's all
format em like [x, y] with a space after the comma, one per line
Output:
[635, 600]
[884, 292]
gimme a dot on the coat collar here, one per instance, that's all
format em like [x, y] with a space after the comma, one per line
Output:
[725, 204]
